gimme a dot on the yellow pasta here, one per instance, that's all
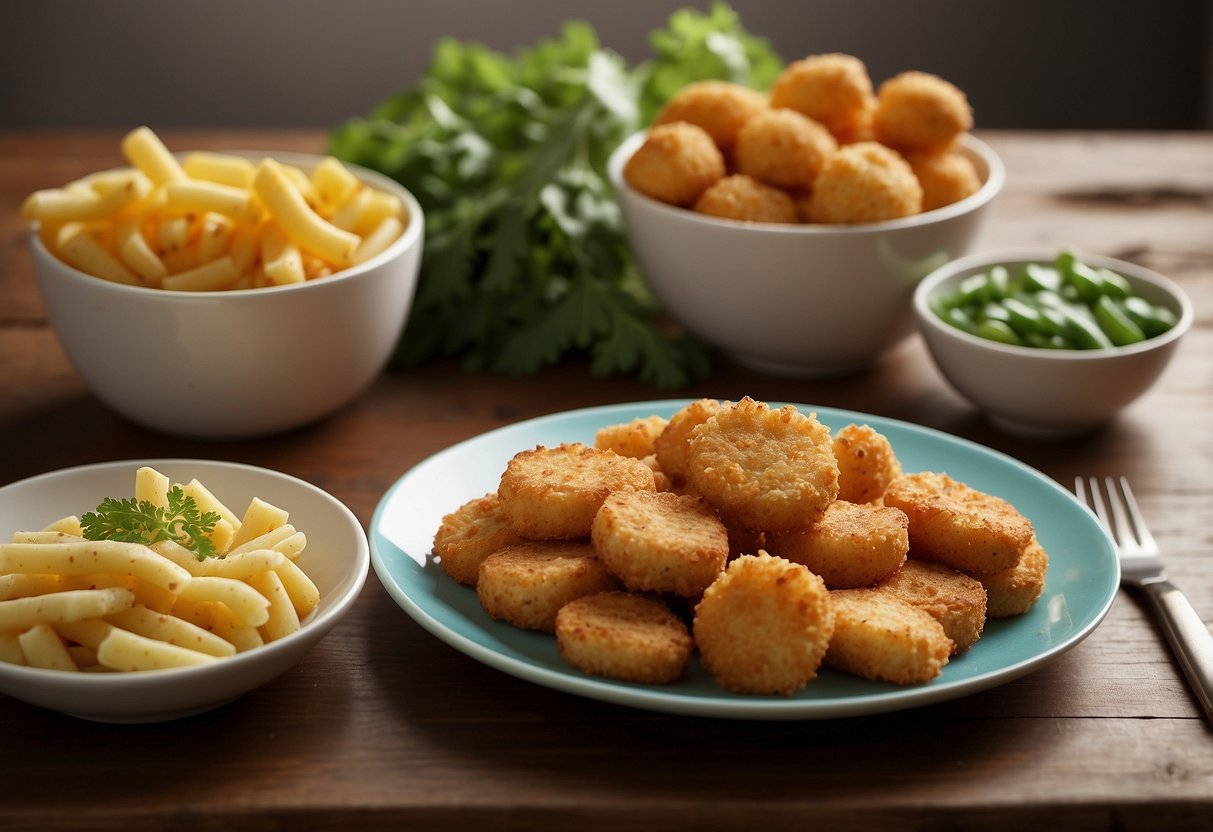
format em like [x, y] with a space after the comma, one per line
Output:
[191, 195]
[92, 557]
[281, 259]
[81, 250]
[123, 650]
[259, 518]
[378, 240]
[217, 274]
[250, 606]
[282, 619]
[151, 486]
[136, 254]
[333, 183]
[144, 150]
[162, 627]
[10, 649]
[71, 605]
[302, 225]
[42, 647]
[223, 168]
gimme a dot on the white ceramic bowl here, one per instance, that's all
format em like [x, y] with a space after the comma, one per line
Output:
[241, 363]
[797, 300]
[336, 558]
[1046, 392]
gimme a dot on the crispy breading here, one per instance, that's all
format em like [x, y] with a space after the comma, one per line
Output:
[954, 599]
[866, 463]
[880, 637]
[764, 625]
[864, 182]
[720, 108]
[945, 178]
[833, 89]
[660, 541]
[676, 163]
[624, 635]
[742, 198]
[554, 493]
[525, 585]
[853, 544]
[768, 469]
[917, 111]
[1014, 591]
[470, 534]
[633, 439]
[670, 446]
[784, 149]
[955, 524]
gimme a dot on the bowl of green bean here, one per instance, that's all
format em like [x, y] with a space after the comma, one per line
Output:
[1047, 342]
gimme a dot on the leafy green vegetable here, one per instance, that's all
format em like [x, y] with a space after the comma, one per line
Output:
[139, 521]
[525, 258]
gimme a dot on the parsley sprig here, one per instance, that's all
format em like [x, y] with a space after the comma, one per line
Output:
[139, 521]
[525, 259]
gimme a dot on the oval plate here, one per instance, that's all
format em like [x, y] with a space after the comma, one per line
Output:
[1081, 584]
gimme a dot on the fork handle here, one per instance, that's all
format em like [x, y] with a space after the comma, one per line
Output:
[1188, 636]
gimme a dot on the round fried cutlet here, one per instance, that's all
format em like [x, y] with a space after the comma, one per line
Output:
[834, 89]
[676, 163]
[470, 534]
[958, 525]
[767, 469]
[864, 182]
[745, 199]
[853, 544]
[660, 541]
[917, 111]
[764, 625]
[670, 446]
[954, 599]
[866, 463]
[622, 635]
[525, 585]
[1013, 591]
[784, 149]
[880, 637]
[720, 108]
[633, 439]
[554, 493]
[945, 178]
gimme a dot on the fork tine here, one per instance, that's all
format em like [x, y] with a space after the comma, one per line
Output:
[1126, 534]
[1139, 521]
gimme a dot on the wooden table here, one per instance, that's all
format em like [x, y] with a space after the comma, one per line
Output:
[385, 727]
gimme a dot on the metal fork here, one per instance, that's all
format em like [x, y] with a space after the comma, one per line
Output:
[1141, 567]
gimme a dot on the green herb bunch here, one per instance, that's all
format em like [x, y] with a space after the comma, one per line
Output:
[525, 259]
[140, 521]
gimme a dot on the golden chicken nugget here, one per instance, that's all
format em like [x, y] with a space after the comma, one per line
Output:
[470, 534]
[864, 182]
[741, 198]
[670, 446]
[918, 111]
[623, 635]
[720, 108]
[676, 163]
[952, 523]
[853, 544]
[1013, 591]
[866, 463]
[764, 625]
[880, 637]
[833, 89]
[784, 149]
[633, 439]
[767, 469]
[525, 585]
[954, 599]
[554, 493]
[661, 542]
[945, 178]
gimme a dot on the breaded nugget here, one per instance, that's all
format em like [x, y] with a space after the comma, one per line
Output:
[676, 163]
[954, 599]
[783, 148]
[1013, 591]
[720, 108]
[917, 111]
[660, 541]
[661, 480]
[859, 130]
[470, 534]
[880, 637]
[625, 636]
[952, 523]
[864, 182]
[764, 626]
[525, 585]
[741, 198]
[853, 544]
[670, 446]
[633, 439]
[866, 463]
[945, 178]
[833, 89]
[767, 469]
[554, 493]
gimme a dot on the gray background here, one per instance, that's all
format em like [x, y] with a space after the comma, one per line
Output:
[248, 63]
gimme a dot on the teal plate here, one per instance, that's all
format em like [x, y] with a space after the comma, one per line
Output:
[1082, 579]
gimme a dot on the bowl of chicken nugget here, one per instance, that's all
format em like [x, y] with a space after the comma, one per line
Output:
[789, 228]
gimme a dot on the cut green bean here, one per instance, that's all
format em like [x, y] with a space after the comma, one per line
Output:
[1117, 325]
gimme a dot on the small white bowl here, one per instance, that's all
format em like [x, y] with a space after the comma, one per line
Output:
[239, 363]
[797, 300]
[336, 558]
[1046, 392]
